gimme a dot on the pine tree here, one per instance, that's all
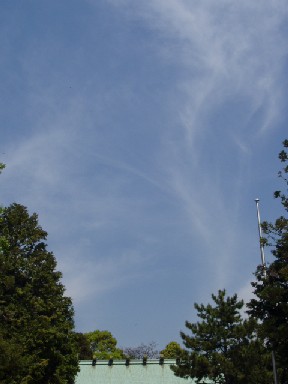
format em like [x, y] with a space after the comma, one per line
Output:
[271, 287]
[36, 318]
[224, 347]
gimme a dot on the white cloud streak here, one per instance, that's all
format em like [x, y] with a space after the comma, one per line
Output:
[69, 170]
[230, 50]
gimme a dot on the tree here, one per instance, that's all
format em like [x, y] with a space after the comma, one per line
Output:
[83, 347]
[36, 318]
[172, 351]
[271, 287]
[143, 350]
[225, 348]
[103, 345]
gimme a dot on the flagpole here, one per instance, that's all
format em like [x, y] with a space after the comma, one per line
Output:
[260, 238]
[265, 275]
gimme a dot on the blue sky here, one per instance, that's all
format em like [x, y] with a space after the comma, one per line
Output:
[141, 132]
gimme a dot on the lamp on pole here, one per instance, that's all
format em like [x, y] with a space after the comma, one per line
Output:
[265, 275]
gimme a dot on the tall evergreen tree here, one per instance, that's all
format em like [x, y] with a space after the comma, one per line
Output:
[271, 287]
[36, 318]
[224, 347]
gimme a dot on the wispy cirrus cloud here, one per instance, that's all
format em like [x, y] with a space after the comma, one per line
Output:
[226, 53]
[138, 148]
[231, 50]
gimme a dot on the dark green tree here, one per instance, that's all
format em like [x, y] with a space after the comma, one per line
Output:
[224, 347]
[83, 347]
[103, 345]
[36, 318]
[271, 288]
[2, 166]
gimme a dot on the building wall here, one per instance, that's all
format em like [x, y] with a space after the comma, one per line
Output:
[135, 373]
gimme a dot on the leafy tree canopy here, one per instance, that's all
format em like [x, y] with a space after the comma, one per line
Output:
[172, 350]
[37, 343]
[224, 347]
[103, 345]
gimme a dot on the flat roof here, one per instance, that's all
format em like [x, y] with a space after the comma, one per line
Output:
[134, 373]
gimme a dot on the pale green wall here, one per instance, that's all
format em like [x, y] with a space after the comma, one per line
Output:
[135, 373]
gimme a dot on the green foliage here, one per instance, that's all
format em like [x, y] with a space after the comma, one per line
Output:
[224, 347]
[2, 166]
[36, 319]
[103, 345]
[12, 360]
[83, 347]
[172, 351]
[271, 287]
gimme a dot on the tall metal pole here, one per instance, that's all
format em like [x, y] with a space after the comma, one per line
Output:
[265, 275]
[260, 238]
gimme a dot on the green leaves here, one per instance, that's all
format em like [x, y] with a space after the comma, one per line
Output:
[103, 345]
[172, 351]
[222, 345]
[35, 316]
[271, 289]
[2, 166]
